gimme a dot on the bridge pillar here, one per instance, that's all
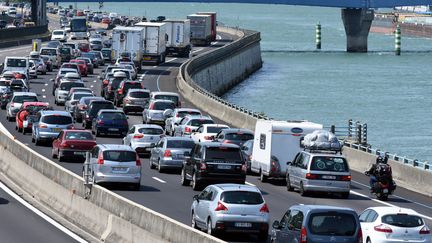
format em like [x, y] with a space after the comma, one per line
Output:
[357, 23]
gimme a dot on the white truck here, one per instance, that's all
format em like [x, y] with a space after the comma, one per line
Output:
[276, 143]
[154, 45]
[201, 29]
[128, 40]
[17, 64]
[178, 31]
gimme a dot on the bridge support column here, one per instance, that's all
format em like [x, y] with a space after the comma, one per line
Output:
[357, 23]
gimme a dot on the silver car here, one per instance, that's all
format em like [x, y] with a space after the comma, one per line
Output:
[115, 163]
[143, 137]
[63, 90]
[174, 118]
[73, 99]
[319, 172]
[153, 113]
[16, 102]
[49, 124]
[135, 100]
[169, 153]
[226, 208]
[190, 124]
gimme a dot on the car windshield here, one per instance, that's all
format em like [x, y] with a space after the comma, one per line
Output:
[402, 220]
[87, 101]
[58, 32]
[199, 122]
[96, 42]
[34, 108]
[16, 62]
[223, 153]
[79, 96]
[215, 129]
[239, 136]
[98, 106]
[182, 114]
[328, 163]
[48, 52]
[112, 116]
[120, 156]
[173, 98]
[66, 86]
[78, 136]
[241, 197]
[57, 119]
[24, 98]
[161, 106]
[89, 55]
[138, 94]
[182, 144]
[332, 224]
[150, 131]
[106, 53]
[132, 85]
[65, 50]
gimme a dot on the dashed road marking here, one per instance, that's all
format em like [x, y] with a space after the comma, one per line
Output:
[160, 75]
[91, 86]
[218, 37]
[157, 179]
[250, 184]
[43, 90]
[171, 60]
[94, 81]
[197, 50]
[44, 96]
[46, 84]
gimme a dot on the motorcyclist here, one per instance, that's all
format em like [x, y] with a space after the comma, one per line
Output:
[372, 172]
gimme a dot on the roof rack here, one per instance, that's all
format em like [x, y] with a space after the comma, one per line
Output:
[323, 150]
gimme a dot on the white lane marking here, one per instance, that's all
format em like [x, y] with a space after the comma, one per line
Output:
[46, 84]
[218, 37]
[250, 184]
[171, 60]
[94, 81]
[214, 43]
[40, 214]
[197, 50]
[43, 90]
[44, 96]
[408, 200]
[160, 180]
[91, 86]
[160, 75]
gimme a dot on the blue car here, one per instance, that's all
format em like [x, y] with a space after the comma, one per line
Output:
[110, 122]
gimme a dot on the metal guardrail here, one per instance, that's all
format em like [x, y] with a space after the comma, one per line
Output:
[14, 33]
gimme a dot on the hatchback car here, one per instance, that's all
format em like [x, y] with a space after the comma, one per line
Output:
[59, 35]
[175, 117]
[81, 107]
[231, 208]
[73, 99]
[123, 88]
[106, 52]
[82, 65]
[93, 108]
[135, 100]
[25, 116]
[49, 124]
[72, 143]
[319, 172]
[96, 44]
[190, 124]
[211, 162]
[110, 122]
[99, 57]
[63, 90]
[110, 87]
[170, 152]
[18, 98]
[317, 224]
[90, 67]
[112, 163]
[234, 135]
[153, 113]
[207, 132]
[159, 95]
[143, 137]
[392, 224]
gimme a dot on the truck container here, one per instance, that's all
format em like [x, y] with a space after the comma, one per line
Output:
[154, 44]
[178, 31]
[200, 29]
[128, 40]
[213, 23]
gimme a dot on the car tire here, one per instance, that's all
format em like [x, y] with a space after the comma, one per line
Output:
[97, 133]
[262, 236]
[263, 178]
[183, 180]
[303, 193]
[288, 184]
[137, 186]
[36, 141]
[60, 158]
[152, 166]
[160, 169]
[368, 241]
[196, 186]
[53, 155]
[24, 131]
[345, 195]
[210, 230]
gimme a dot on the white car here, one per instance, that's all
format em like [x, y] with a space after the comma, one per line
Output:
[143, 137]
[59, 35]
[16, 102]
[207, 132]
[62, 91]
[393, 224]
[32, 69]
[175, 117]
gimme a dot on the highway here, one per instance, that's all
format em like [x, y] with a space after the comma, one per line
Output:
[163, 192]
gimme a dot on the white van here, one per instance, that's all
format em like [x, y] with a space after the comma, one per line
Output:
[17, 64]
[276, 143]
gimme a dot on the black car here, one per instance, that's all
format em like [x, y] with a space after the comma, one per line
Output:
[66, 53]
[247, 149]
[123, 89]
[234, 135]
[82, 106]
[93, 108]
[3, 24]
[212, 162]
[106, 52]
[111, 88]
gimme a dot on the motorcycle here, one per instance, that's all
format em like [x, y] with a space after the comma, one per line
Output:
[383, 187]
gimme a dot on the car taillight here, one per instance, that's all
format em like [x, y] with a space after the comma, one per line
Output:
[126, 101]
[311, 176]
[43, 126]
[221, 207]
[264, 209]
[178, 115]
[303, 235]
[244, 168]
[100, 122]
[109, 88]
[120, 91]
[138, 136]
[12, 104]
[274, 166]
[82, 107]
[250, 157]
[64, 145]
[345, 178]
[360, 236]
[187, 129]
[138, 160]
[383, 228]
[203, 166]
[425, 230]
[105, 82]
[167, 153]
[151, 106]
[100, 160]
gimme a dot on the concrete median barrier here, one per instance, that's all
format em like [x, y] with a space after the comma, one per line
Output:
[104, 215]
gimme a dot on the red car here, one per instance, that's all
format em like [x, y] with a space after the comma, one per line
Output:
[106, 21]
[82, 65]
[80, 13]
[84, 47]
[25, 116]
[72, 143]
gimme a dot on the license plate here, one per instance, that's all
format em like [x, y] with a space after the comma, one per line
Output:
[329, 177]
[113, 129]
[243, 225]
[57, 129]
[147, 58]
[385, 190]
[119, 169]
[224, 167]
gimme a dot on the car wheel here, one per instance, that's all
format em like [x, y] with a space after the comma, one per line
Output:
[184, 181]
[137, 186]
[345, 195]
[193, 222]
[263, 178]
[97, 133]
[303, 193]
[53, 155]
[94, 182]
[262, 236]
[152, 166]
[210, 230]
[33, 140]
[37, 142]
[60, 158]
[288, 184]
[24, 131]
[160, 169]
[196, 186]
[368, 241]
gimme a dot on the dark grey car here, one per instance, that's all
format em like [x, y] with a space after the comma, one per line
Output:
[317, 224]
[135, 100]
[169, 153]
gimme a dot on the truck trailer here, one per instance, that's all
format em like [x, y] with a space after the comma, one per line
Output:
[213, 23]
[200, 29]
[178, 31]
[154, 44]
[128, 40]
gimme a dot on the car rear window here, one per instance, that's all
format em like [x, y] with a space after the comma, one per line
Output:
[328, 163]
[113, 116]
[180, 144]
[16, 62]
[79, 96]
[332, 223]
[199, 122]
[214, 129]
[96, 42]
[98, 106]
[132, 85]
[241, 197]
[115, 82]
[87, 101]
[78, 136]
[23, 98]
[160, 106]
[223, 153]
[68, 85]
[48, 52]
[119, 156]
[137, 94]
[173, 98]
[65, 50]
[57, 119]
[402, 220]
[239, 136]
[151, 131]
[182, 114]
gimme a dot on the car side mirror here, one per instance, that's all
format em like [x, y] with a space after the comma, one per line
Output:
[289, 163]
[176, 123]
[196, 198]
[167, 113]
[276, 225]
